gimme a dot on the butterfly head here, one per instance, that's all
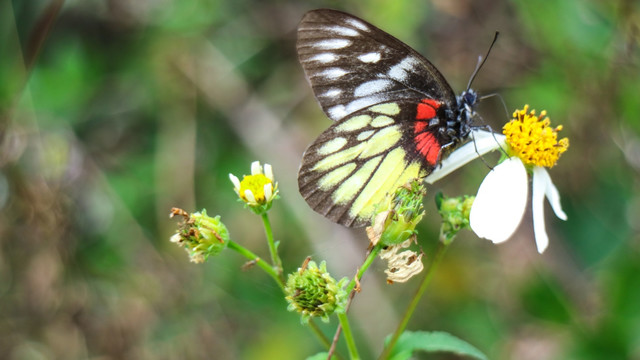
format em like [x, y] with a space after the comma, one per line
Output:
[466, 104]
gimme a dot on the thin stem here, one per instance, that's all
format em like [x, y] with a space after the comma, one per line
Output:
[365, 265]
[275, 259]
[271, 271]
[261, 263]
[348, 336]
[352, 292]
[415, 300]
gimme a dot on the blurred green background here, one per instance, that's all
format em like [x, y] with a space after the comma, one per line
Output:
[112, 112]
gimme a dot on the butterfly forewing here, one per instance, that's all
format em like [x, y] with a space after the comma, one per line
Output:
[352, 65]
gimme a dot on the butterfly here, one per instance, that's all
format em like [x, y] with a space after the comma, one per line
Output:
[396, 117]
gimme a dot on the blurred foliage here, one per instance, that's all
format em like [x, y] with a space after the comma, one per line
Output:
[112, 112]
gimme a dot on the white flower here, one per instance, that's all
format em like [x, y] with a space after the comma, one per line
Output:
[502, 200]
[257, 190]
[502, 197]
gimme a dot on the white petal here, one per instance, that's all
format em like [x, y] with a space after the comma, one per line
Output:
[543, 186]
[268, 191]
[249, 196]
[256, 168]
[537, 206]
[482, 143]
[268, 172]
[502, 197]
[236, 182]
[551, 192]
[176, 238]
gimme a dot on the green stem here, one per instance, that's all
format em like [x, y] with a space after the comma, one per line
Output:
[319, 334]
[261, 263]
[350, 290]
[365, 265]
[275, 259]
[348, 336]
[415, 300]
[272, 272]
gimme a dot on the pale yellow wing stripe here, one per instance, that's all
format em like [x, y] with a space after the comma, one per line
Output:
[352, 186]
[381, 141]
[392, 173]
[339, 158]
[356, 163]
[336, 176]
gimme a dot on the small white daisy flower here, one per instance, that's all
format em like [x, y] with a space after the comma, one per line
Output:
[531, 145]
[257, 190]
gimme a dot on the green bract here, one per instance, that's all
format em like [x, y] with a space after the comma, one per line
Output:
[455, 215]
[312, 292]
[201, 235]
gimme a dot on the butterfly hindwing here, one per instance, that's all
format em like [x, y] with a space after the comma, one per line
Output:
[354, 164]
[352, 64]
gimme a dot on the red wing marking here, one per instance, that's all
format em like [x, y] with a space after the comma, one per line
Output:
[426, 142]
[428, 146]
[427, 109]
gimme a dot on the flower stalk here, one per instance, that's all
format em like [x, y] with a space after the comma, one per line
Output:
[258, 261]
[348, 336]
[273, 246]
[426, 280]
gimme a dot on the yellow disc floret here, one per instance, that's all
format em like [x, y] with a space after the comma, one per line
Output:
[533, 140]
[255, 184]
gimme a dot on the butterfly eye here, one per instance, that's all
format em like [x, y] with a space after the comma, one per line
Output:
[470, 97]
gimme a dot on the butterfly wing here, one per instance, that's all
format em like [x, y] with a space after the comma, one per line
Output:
[352, 65]
[353, 165]
[393, 109]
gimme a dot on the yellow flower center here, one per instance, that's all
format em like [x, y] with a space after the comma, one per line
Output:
[533, 140]
[254, 183]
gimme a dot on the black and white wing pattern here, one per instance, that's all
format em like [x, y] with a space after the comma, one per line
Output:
[352, 64]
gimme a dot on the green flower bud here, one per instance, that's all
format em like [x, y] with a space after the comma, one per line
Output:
[396, 219]
[200, 235]
[455, 215]
[312, 292]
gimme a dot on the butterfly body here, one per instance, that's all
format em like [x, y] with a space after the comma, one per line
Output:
[395, 115]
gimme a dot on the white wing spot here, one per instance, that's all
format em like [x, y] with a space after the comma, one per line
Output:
[337, 112]
[363, 103]
[332, 44]
[341, 30]
[372, 87]
[357, 24]
[332, 93]
[373, 57]
[332, 73]
[324, 58]
[401, 70]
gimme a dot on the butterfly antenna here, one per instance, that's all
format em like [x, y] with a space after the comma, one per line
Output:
[482, 60]
[504, 104]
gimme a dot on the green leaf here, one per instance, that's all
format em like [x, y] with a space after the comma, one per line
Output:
[320, 356]
[434, 341]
